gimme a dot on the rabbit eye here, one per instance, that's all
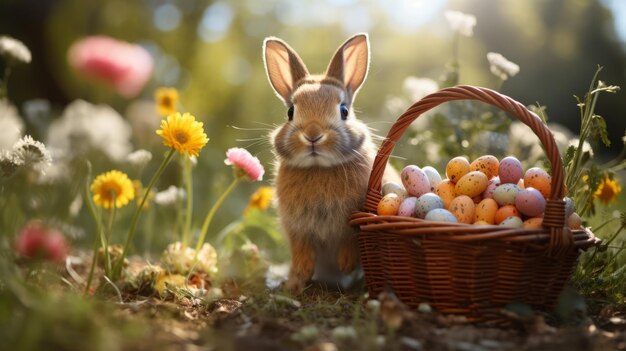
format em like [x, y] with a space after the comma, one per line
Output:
[344, 111]
[290, 113]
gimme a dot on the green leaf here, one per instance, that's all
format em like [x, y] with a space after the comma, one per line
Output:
[599, 129]
[569, 155]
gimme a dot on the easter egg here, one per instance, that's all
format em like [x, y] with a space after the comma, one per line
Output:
[389, 205]
[462, 207]
[472, 184]
[505, 212]
[533, 223]
[407, 207]
[520, 183]
[514, 222]
[415, 180]
[530, 202]
[486, 211]
[446, 192]
[440, 215]
[505, 194]
[510, 170]
[434, 178]
[574, 221]
[396, 188]
[491, 187]
[481, 223]
[539, 179]
[457, 168]
[569, 206]
[427, 203]
[487, 164]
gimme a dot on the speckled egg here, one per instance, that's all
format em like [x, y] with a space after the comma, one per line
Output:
[396, 188]
[457, 168]
[533, 223]
[514, 222]
[510, 170]
[481, 223]
[440, 215]
[446, 192]
[505, 194]
[530, 202]
[434, 178]
[486, 211]
[407, 207]
[491, 187]
[427, 203]
[415, 180]
[389, 205]
[574, 221]
[472, 184]
[539, 179]
[463, 208]
[505, 212]
[487, 164]
[569, 206]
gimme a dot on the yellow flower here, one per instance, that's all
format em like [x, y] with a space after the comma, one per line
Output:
[112, 184]
[260, 199]
[608, 190]
[166, 100]
[183, 133]
[140, 192]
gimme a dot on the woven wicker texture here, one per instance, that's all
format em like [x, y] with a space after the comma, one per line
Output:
[464, 269]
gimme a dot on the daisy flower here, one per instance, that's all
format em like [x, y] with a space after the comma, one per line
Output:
[244, 164]
[32, 153]
[112, 185]
[608, 190]
[183, 133]
[260, 199]
[166, 100]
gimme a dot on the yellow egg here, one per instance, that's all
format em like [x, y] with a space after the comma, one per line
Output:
[472, 184]
[533, 223]
[445, 190]
[481, 223]
[457, 168]
[486, 211]
[462, 207]
[487, 164]
[539, 179]
[389, 204]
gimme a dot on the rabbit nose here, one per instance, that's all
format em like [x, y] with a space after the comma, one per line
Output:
[314, 139]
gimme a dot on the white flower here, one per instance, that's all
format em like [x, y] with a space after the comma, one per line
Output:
[170, 196]
[461, 22]
[139, 158]
[84, 126]
[11, 125]
[32, 153]
[501, 67]
[417, 88]
[8, 164]
[179, 259]
[14, 49]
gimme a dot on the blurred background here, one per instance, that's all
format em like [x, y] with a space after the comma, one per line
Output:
[211, 52]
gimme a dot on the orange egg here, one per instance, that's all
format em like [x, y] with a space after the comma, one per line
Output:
[487, 164]
[486, 211]
[520, 183]
[463, 208]
[472, 184]
[457, 168]
[445, 190]
[505, 212]
[533, 223]
[389, 204]
[539, 179]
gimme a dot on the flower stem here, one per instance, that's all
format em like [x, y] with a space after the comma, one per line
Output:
[209, 217]
[189, 187]
[133, 224]
[98, 222]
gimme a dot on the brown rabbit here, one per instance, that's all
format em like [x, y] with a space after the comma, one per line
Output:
[324, 158]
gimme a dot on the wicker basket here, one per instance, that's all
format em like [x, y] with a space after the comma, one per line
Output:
[462, 269]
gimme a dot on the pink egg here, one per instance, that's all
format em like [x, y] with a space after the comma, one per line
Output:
[510, 170]
[530, 202]
[407, 207]
[415, 181]
[491, 187]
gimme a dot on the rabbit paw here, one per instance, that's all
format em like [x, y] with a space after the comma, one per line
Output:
[302, 266]
[348, 256]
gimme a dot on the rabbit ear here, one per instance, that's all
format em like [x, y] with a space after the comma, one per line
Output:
[351, 62]
[283, 66]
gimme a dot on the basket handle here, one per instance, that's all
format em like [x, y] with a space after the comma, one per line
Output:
[554, 216]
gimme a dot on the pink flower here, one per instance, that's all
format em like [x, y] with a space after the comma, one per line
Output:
[244, 163]
[37, 241]
[124, 66]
